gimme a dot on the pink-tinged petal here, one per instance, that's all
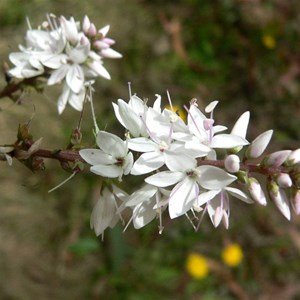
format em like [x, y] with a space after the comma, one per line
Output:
[213, 178]
[227, 141]
[179, 161]
[86, 23]
[142, 144]
[103, 212]
[143, 214]
[239, 194]
[97, 67]
[256, 191]
[204, 197]
[182, 197]
[96, 157]
[258, 146]
[241, 125]
[110, 171]
[110, 53]
[111, 144]
[277, 158]
[75, 78]
[294, 157]
[165, 178]
[280, 199]
[147, 162]
[58, 75]
[284, 180]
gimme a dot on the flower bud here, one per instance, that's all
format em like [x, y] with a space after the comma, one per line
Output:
[280, 199]
[86, 24]
[256, 191]
[92, 31]
[296, 202]
[232, 163]
[294, 157]
[284, 180]
[258, 146]
[277, 158]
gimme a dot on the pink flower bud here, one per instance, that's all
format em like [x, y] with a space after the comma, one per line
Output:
[294, 157]
[256, 191]
[258, 146]
[86, 24]
[232, 163]
[92, 31]
[277, 158]
[296, 202]
[100, 45]
[279, 197]
[284, 180]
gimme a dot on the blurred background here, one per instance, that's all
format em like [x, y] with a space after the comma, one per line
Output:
[243, 53]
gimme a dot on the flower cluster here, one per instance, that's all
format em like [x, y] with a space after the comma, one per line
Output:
[185, 173]
[66, 51]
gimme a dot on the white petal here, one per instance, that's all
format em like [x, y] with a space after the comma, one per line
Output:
[110, 53]
[141, 195]
[204, 197]
[63, 99]
[213, 178]
[111, 171]
[211, 106]
[98, 68]
[227, 141]
[142, 144]
[77, 100]
[179, 161]
[128, 163]
[241, 125]
[103, 212]
[239, 194]
[131, 120]
[58, 75]
[96, 156]
[143, 214]
[147, 162]
[182, 198]
[111, 144]
[75, 78]
[165, 178]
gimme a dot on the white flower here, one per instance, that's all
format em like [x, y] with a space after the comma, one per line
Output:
[104, 213]
[112, 159]
[189, 179]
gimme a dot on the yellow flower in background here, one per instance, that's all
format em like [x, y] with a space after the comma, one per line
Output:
[232, 255]
[197, 266]
[178, 110]
[268, 41]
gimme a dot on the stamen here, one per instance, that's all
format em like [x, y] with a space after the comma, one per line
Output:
[62, 183]
[129, 89]
[170, 101]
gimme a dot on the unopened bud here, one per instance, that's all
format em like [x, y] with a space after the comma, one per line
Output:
[232, 163]
[296, 202]
[256, 191]
[294, 157]
[277, 158]
[284, 180]
[279, 197]
[92, 31]
[86, 24]
[258, 146]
